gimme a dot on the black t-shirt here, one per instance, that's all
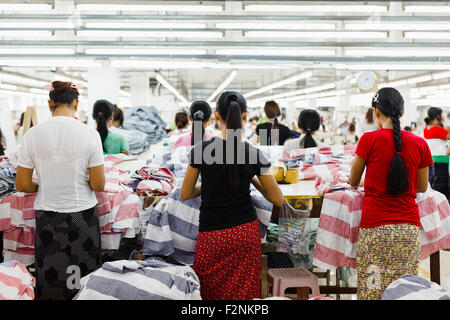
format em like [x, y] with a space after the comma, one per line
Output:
[225, 205]
[284, 133]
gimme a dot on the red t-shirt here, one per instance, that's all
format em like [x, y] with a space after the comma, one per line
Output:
[436, 132]
[377, 148]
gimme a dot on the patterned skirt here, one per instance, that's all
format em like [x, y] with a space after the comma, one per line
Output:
[384, 254]
[228, 263]
[67, 248]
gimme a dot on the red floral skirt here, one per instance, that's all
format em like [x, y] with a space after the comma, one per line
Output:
[228, 263]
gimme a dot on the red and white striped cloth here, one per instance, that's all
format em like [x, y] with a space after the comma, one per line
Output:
[112, 159]
[16, 283]
[338, 232]
[328, 163]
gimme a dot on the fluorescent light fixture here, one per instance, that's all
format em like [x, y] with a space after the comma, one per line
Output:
[139, 64]
[315, 8]
[427, 35]
[298, 92]
[37, 24]
[19, 7]
[318, 34]
[170, 87]
[8, 77]
[399, 66]
[427, 9]
[224, 84]
[25, 34]
[385, 25]
[144, 25]
[277, 52]
[441, 75]
[40, 91]
[418, 79]
[280, 83]
[398, 52]
[150, 7]
[79, 63]
[315, 96]
[43, 51]
[125, 94]
[8, 86]
[148, 34]
[131, 51]
[276, 25]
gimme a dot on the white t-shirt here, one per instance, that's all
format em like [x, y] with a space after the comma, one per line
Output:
[61, 150]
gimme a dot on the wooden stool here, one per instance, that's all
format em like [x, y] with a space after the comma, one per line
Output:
[284, 278]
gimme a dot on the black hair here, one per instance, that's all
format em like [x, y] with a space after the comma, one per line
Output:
[200, 111]
[369, 116]
[63, 93]
[433, 113]
[390, 103]
[351, 127]
[101, 112]
[2, 144]
[407, 128]
[118, 115]
[230, 106]
[272, 111]
[181, 119]
[309, 121]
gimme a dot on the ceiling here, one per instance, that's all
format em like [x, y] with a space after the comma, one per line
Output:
[196, 45]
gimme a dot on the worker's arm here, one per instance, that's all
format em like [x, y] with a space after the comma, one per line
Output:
[268, 186]
[97, 178]
[189, 190]
[423, 180]
[356, 172]
[24, 180]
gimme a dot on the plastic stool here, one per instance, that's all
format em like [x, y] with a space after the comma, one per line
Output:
[283, 278]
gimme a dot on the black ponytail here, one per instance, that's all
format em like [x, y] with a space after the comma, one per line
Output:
[390, 102]
[433, 113]
[309, 121]
[230, 106]
[102, 112]
[200, 111]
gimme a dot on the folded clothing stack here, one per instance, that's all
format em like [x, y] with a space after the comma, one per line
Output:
[156, 181]
[7, 177]
[146, 120]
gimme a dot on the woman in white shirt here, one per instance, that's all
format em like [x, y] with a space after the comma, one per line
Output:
[67, 157]
[309, 124]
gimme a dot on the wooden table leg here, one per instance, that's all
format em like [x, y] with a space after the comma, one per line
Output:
[435, 268]
[303, 293]
[264, 282]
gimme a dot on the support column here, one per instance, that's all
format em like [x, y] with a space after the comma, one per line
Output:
[103, 83]
[140, 89]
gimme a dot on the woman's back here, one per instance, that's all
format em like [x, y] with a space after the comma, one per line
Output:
[61, 150]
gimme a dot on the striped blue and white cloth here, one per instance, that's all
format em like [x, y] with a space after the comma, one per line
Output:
[412, 287]
[172, 226]
[152, 279]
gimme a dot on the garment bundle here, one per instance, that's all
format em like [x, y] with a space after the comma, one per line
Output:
[146, 120]
[340, 218]
[152, 279]
[16, 283]
[138, 142]
[412, 287]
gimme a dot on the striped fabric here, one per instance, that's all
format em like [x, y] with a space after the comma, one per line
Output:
[152, 279]
[172, 227]
[118, 210]
[16, 283]
[412, 287]
[338, 232]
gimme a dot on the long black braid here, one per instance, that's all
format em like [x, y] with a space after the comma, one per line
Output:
[390, 102]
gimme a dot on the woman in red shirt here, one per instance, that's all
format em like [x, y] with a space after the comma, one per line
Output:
[396, 164]
[435, 129]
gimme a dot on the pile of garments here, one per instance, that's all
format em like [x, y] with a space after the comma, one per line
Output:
[7, 177]
[16, 283]
[153, 180]
[338, 232]
[138, 142]
[151, 279]
[146, 120]
[327, 163]
[118, 210]
[172, 226]
[412, 287]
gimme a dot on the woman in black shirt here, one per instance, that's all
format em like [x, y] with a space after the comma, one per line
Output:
[228, 252]
[272, 133]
